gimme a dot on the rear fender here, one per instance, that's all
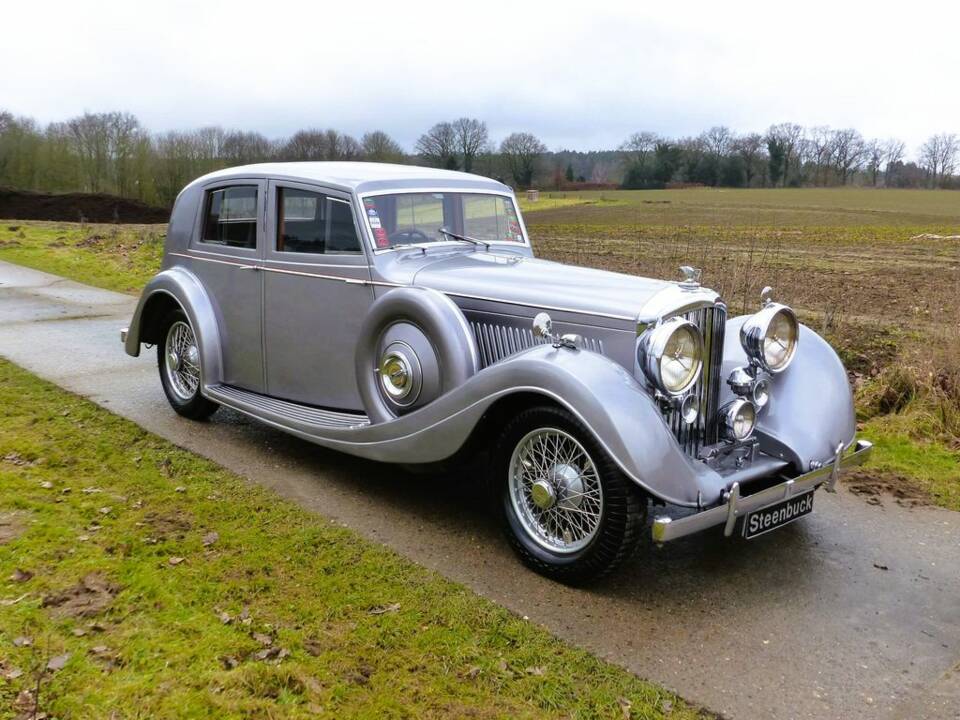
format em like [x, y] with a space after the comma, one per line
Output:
[179, 286]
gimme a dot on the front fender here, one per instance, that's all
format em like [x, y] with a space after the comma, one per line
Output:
[604, 396]
[182, 287]
[810, 410]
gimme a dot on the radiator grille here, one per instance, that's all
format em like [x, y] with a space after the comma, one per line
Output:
[496, 342]
[706, 430]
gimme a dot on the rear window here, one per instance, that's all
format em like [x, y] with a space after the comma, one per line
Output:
[231, 217]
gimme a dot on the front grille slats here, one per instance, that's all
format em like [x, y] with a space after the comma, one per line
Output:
[496, 342]
[705, 430]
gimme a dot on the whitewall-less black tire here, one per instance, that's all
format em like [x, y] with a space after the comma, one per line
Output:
[178, 359]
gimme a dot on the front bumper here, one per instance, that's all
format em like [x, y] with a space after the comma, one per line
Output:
[735, 506]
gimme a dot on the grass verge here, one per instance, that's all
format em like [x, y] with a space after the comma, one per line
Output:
[116, 257]
[142, 580]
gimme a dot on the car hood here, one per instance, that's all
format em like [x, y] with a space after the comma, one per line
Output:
[536, 283]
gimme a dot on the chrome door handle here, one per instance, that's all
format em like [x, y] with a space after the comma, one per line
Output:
[255, 268]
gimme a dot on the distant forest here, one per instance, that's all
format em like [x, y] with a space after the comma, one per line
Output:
[114, 153]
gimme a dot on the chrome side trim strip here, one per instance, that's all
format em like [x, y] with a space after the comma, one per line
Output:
[283, 271]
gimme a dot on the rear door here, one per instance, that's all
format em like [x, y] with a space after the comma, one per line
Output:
[315, 296]
[226, 254]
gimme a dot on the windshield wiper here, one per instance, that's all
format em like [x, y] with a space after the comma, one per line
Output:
[455, 236]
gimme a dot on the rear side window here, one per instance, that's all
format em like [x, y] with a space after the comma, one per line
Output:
[231, 217]
[309, 222]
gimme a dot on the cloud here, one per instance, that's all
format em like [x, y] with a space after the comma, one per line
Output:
[580, 76]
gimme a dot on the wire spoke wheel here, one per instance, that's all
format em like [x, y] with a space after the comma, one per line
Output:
[555, 490]
[182, 361]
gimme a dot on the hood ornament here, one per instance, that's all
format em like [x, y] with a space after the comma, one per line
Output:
[766, 296]
[691, 276]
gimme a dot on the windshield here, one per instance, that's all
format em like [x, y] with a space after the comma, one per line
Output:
[408, 218]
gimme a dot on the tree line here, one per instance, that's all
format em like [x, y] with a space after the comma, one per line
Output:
[112, 152]
[787, 155]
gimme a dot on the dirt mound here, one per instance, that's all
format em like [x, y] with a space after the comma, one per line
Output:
[90, 597]
[873, 485]
[77, 207]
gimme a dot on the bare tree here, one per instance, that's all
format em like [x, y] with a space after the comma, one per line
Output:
[848, 152]
[750, 150]
[521, 152]
[91, 135]
[470, 137]
[438, 146]
[380, 147]
[938, 156]
[638, 147]
[305, 145]
[241, 148]
[876, 156]
[788, 137]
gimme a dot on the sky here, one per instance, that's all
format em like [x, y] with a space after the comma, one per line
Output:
[580, 75]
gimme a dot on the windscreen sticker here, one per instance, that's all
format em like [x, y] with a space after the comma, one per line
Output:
[379, 234]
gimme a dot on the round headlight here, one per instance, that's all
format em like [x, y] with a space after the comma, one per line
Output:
[770, 337]
[671, 355]
[738, 417]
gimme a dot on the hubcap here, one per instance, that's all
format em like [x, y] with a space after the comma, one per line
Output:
[555, 490]
[543, 494]
[182, 361]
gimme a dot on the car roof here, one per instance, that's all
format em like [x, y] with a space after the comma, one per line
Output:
[361, 177]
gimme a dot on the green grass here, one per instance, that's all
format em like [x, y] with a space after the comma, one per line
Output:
[932, 465]
[116, 257]
[354, 630]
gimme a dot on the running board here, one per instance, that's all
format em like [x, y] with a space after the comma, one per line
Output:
[270, 407]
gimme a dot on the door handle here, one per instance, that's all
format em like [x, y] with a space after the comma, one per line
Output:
[254, 268]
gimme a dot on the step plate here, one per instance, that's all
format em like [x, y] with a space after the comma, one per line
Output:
[251, 401]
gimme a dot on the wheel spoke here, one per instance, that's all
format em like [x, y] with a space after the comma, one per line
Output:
[572, 519]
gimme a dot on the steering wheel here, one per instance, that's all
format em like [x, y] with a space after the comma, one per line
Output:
[408, 237]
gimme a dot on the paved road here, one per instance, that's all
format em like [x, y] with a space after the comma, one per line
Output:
[853, 612]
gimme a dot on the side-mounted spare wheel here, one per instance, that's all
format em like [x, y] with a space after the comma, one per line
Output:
[415, 345]
[567, 509]
[178, 358]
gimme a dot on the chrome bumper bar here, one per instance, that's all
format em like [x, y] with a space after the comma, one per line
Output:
[735, 506]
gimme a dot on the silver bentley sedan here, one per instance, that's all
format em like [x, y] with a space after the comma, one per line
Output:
[398, 313]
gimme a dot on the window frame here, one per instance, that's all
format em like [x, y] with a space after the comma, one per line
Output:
[358, 257]
[197, 243]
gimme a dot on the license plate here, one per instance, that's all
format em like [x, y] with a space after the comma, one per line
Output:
[776, 516]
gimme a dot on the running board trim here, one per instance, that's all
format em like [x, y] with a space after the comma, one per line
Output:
[257, 404]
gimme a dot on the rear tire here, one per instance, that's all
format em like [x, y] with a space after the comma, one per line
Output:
[178, 359]
[584, 517]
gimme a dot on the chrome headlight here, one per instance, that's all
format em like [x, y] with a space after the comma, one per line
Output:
[671, 355]
[739, 418]
[770, 337]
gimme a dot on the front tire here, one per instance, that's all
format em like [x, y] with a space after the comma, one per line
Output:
[178, 359]
[567, 510]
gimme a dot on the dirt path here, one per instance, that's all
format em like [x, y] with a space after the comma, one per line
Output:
[854, 612]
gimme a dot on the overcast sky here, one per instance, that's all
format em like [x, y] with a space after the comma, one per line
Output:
[580, 78]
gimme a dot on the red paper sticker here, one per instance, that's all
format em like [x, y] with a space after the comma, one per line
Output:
[380, 235]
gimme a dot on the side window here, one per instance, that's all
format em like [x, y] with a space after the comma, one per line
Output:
[309, 222]
[231, 217]
[343, 233]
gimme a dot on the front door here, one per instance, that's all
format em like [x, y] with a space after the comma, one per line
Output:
[313, 302]
[226, 255]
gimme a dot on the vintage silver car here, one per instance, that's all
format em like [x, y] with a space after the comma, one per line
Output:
[398, 313]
